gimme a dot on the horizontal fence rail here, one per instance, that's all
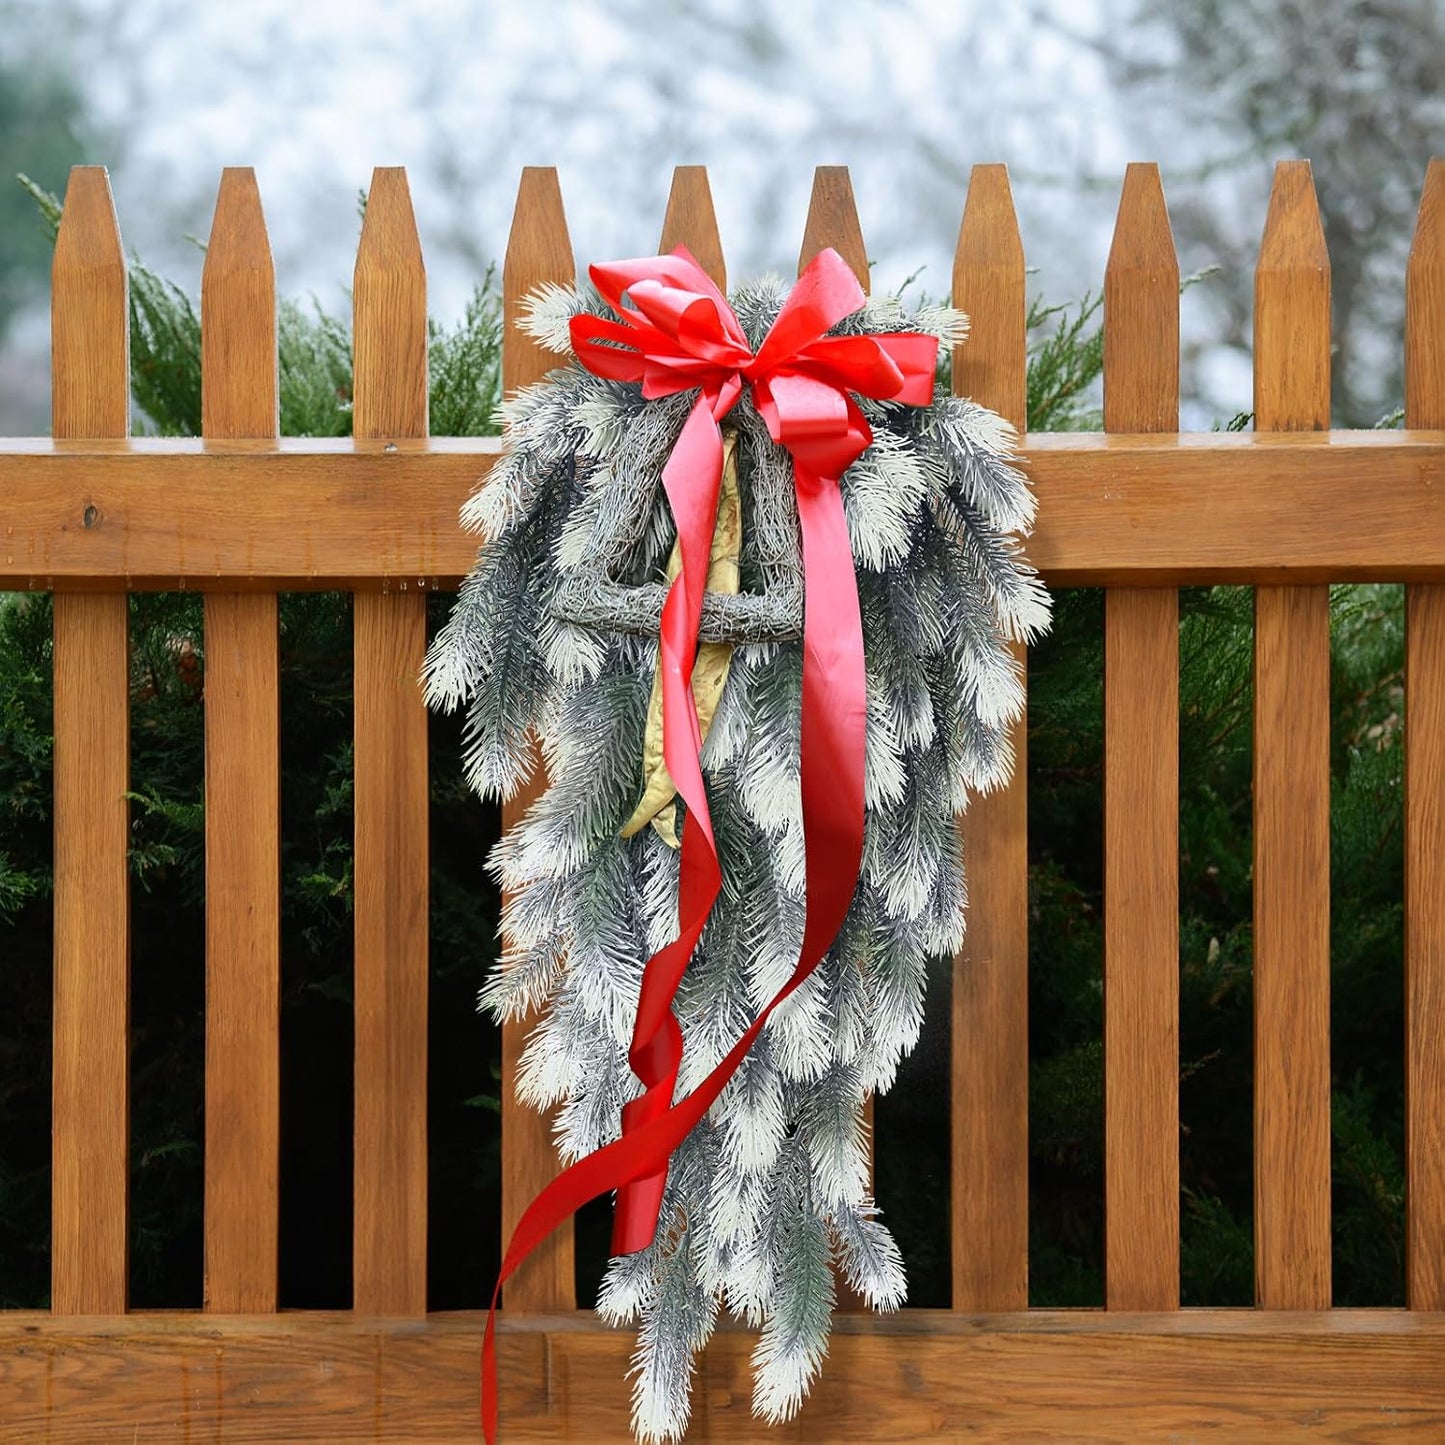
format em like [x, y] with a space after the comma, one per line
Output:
[1140, 509]
[1046, 1375]
[1114, 510]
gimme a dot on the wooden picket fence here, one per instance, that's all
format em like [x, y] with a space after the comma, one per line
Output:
[1139, 509]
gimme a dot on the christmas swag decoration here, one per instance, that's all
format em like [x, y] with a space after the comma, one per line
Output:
[750, 575]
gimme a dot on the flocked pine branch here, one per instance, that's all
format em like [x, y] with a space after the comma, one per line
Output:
[773, 1188]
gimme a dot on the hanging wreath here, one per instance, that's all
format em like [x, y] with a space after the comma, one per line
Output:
[750, 575]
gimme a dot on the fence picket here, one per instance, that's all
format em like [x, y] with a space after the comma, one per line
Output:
[990, 1093]
[691, 221]
[90, 370]
[389, 1257]
[1141, 793]
[239, 399]
[833, 221]
[1425, 791]
[1292, 790]
[538, 249]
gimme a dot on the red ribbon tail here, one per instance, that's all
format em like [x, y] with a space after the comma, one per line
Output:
[835, 715]
[692, 479]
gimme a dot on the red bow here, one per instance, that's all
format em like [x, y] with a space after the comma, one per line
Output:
[677, 334]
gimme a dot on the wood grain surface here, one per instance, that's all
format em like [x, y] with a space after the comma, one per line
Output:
[239, 398]
[691, 221]
[919, 1375]
[1114, 510]
[990, 1046]
[1425, 792]
[833, 221]
[1141, 793]
[90, 1081]
[538, 250]
[389, 1195]
[1292, 790]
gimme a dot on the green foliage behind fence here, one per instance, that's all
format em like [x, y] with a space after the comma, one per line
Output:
[1066, 832]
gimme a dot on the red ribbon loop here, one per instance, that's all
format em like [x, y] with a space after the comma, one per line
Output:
[677, 332]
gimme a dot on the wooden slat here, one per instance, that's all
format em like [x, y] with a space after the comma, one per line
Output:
[316, 513]
[89, 321]
[691, 221]
[538, 249]
[90, 397]
[1292, 790]
[389, 1199]
[833, 221]
[1347, 1375]
[1425, 792]
[990, 1080]
[1141, 793]
[239, 398]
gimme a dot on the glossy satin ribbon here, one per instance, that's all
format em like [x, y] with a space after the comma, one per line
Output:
[677, 333]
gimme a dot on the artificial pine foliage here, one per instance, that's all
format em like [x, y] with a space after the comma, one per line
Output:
[772, 1190]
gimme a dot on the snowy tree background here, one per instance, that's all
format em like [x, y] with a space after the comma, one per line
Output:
[909, 94]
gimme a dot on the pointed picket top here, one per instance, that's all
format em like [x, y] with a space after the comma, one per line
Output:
[539, 250]
[1425, 307]
[1292, 308]
[1294, 235]
[389, 394]
[1143, 240]
[90, 328]
[389, 240]
[692, 222]
[833, 221]
[991, 364]
[1141, 311]
[239, 388]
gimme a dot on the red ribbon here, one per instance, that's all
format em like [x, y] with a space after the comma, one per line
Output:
[679, 333]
